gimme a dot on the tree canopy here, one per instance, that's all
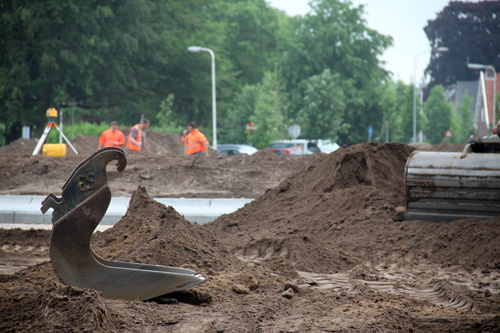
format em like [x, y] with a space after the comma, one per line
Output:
[120, 59]
[439, 115]
[470, 31]
[335, 36]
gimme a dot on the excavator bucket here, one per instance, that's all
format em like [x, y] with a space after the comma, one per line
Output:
[442, 187]
[85, 199]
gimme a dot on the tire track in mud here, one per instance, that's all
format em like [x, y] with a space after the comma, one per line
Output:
[444, 288]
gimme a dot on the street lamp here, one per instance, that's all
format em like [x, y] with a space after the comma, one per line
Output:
[439, 50]
[494, 78]
[214, 112]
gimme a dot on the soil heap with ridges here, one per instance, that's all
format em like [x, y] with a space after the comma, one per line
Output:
[342, 210]
[164, 169]
[153, 233]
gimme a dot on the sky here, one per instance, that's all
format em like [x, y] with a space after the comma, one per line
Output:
[403, 20]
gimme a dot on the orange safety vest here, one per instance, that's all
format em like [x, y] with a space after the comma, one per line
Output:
[108, 136]
[196, 142]
[130, 144]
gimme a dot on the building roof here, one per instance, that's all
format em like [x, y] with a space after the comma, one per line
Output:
[467, 87]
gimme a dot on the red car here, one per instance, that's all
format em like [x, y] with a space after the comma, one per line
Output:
[284, 149]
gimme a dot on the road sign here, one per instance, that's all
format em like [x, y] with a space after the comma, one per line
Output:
[448, 134]
[251, 126]
[294, 131]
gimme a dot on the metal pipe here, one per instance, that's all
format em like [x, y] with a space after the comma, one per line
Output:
[214, 108]
[490, 67]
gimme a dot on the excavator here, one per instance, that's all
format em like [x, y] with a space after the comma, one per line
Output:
[444, 186]
[85, 199]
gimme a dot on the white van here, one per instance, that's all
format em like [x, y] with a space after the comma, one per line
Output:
[327, 146]
[302, 147]
[294, 147]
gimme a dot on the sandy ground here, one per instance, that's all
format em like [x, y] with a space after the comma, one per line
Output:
[322, 248]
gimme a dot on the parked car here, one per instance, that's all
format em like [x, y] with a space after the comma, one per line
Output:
[294, 147]
[230, 149]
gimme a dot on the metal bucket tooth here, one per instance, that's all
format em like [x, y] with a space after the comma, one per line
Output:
[85, 199]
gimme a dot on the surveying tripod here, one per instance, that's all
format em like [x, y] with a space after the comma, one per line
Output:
[51, 115]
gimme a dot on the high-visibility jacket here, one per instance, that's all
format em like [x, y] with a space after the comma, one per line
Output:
[195, 142]
[138, 137]
[109, 138]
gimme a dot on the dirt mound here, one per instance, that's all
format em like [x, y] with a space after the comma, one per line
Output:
[448, 147]
[345, 204]
[347, 187]
[322, 248]
[470, 243]
[442, 147]
[159, 142]
[370, 164]
[152, 233]
[84, 145]
[34, 237]
[164, 169]
[53, 307]
[321, 256]
[19, 146]
[35, 300]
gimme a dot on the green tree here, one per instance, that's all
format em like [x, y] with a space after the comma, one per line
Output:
[396, 101]
[167, 122]
[466, 120]
[454, 127]
[120, 58]
[323, 112]
[250, 40]
[388, 100]
[439, 115]
[335, 36]
[471, 31]
[269, 110]
[243, 36]
[240, 115]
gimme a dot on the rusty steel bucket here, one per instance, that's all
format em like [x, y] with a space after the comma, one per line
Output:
[443, 187]
[85, 199]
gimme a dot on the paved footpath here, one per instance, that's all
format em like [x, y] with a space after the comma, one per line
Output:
[25, 209]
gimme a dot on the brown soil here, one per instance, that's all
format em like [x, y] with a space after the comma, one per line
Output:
[163, 169]
[322, 248]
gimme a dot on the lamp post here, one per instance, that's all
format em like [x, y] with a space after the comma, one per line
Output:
[439, 50]
[214, 112]
[494, 78]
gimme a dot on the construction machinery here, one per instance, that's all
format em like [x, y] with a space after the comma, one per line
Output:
[443, 187]
[85, 199]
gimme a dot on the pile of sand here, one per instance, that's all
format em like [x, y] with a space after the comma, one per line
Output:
[163, 169]
[153, 233]
[338, 214]
[342, 211]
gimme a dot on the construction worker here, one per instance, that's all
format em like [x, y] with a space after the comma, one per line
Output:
[196, 142]
[112, 137]
[137, 137]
